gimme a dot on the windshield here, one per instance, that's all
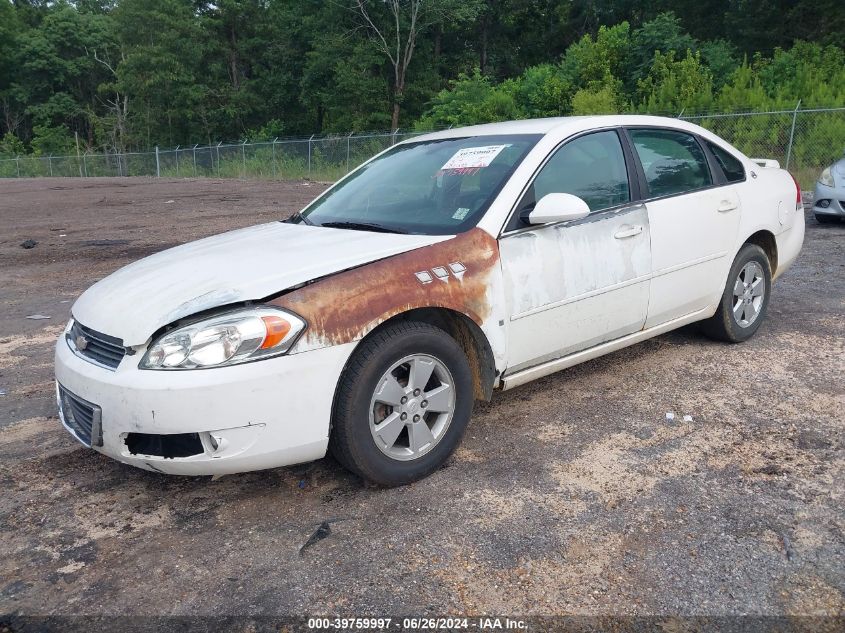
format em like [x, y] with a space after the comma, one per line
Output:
[438, 187]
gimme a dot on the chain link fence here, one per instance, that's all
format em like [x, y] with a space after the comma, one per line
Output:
[805, 141]
[317, 158]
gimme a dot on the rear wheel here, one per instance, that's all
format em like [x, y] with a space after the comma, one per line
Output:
[403, 404]
[822, 218]
[745, 298]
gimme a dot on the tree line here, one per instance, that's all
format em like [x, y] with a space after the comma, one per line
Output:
[123, 74]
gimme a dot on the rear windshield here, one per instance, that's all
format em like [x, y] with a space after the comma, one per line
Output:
[437, 187]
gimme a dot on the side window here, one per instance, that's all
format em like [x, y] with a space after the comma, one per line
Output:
[673, 162]
[591, 167]
[730, 164]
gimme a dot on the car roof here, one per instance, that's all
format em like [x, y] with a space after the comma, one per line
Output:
[557, 125]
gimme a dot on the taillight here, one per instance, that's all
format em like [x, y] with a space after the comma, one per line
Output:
[798, 201]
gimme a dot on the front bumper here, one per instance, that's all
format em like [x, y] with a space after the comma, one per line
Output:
[268, 413]
[833, 197]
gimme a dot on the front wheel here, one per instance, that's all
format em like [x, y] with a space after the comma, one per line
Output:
[403, 404]
[745, 299]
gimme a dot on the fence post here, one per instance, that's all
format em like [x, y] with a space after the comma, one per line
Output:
[274, 156]
[243, 158]
[50, 163]
[347, 150]
[195, 160]
[85, 162]
[792, 134]
[309, 155]
[177, 161]
[78, 166]
[217, 150]
[393, 137]
[18, 163]
[158, 165]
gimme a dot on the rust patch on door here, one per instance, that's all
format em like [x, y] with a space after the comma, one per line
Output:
[453, 274]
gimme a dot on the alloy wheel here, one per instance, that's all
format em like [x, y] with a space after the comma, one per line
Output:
[412, 407]
[748, 294]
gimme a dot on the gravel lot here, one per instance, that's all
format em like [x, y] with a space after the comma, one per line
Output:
[571, 495]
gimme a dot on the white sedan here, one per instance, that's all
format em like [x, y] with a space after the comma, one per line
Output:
[446, 268]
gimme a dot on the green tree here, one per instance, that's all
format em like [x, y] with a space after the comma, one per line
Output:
[55, 140]
[471, 99]
[664, 33]
[11, 146]
[604, 100]
[134, 73]
[12, 99]
[542, 91]
[161, 69]
[591, 62]
[672, 86]
[396, 25]
[58, 77]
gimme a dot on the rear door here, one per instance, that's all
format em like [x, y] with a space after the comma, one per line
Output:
[573, 285]
[693, 216]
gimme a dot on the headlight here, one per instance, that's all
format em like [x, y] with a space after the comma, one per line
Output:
[228, 339]
[826, 177]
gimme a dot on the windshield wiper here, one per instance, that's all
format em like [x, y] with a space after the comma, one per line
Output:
[298, 217]
[362, 226]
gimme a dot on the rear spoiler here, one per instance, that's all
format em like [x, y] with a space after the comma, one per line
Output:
[767, 163]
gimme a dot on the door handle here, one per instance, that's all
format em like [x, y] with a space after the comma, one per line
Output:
[725, 206]
[629, 231]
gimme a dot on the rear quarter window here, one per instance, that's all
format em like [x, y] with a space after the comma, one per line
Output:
[731, 166]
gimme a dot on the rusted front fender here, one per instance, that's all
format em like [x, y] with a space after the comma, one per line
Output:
[461, 274]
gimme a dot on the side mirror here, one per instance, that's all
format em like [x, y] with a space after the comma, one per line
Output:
[558, 207]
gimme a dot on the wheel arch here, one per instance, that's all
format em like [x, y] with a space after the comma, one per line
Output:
[765, 239]
[466, 333]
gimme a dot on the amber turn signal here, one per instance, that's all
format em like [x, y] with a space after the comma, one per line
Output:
[277, 330]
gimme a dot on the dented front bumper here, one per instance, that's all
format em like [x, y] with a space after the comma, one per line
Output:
[264, 414]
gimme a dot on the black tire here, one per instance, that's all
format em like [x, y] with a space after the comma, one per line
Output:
[352, 442]
[822, 218]
[723, 325]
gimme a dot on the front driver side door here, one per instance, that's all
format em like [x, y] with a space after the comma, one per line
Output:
[573, 285]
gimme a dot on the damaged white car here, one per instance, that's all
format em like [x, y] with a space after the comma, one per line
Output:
[445, 268]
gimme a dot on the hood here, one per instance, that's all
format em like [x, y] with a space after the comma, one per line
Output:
[242, 265]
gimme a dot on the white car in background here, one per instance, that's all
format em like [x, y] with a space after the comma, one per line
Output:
[446, 268]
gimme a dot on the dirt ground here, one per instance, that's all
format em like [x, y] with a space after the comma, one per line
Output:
[571, 495]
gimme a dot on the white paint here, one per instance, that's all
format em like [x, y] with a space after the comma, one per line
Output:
[692, 248]
[767, 163]
[247, 264]
[558, 207]
[509, 381]
[572, 286]
[272, 412]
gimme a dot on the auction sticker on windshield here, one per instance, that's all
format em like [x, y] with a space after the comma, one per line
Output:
[473, 157]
